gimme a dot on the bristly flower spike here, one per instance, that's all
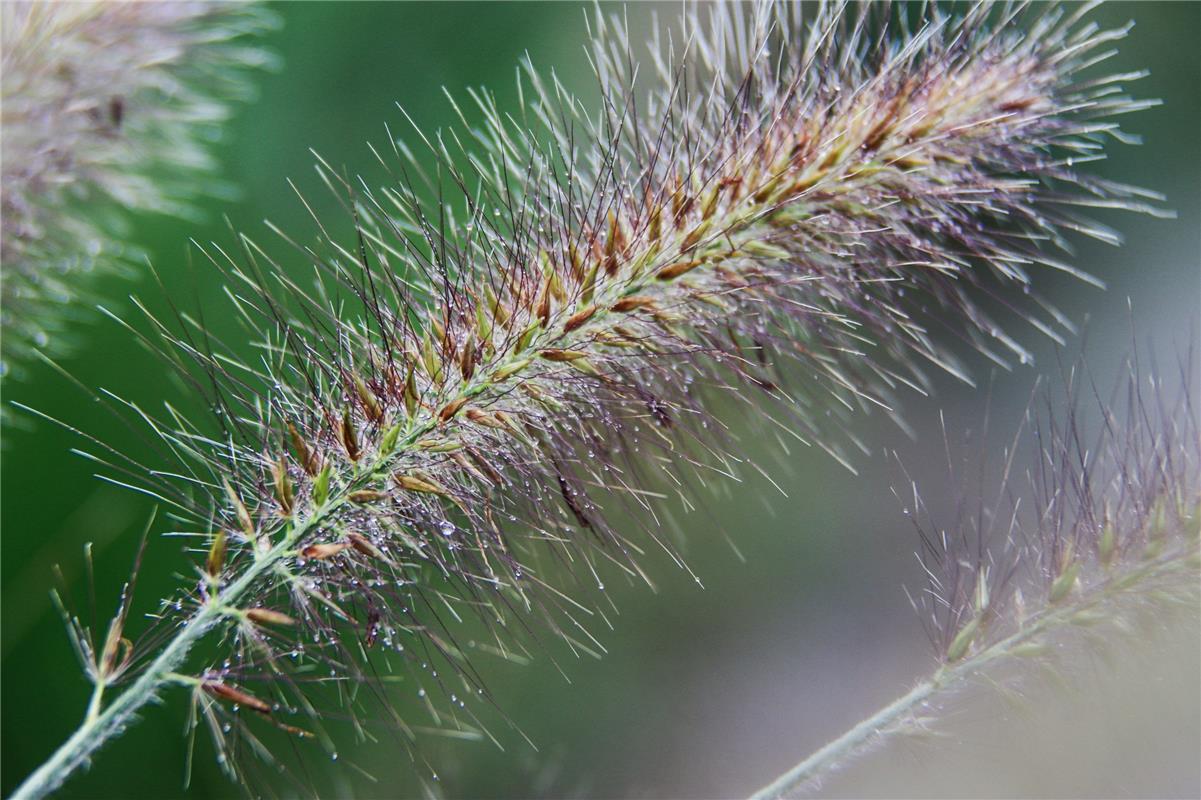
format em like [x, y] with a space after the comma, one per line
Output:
[1105, 534]
[791, 218]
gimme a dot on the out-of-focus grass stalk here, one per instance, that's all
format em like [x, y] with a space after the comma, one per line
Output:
[1027, 643]
[1108, 526]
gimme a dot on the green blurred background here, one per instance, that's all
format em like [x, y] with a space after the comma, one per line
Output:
[704, 692]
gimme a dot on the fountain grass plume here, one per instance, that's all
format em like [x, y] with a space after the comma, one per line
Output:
[806, 209]
[1094, 534]
[107, 108]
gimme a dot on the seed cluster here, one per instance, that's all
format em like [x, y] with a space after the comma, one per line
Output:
[805, 209]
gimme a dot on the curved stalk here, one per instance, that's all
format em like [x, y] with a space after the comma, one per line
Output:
[892, 718]
[98, 728]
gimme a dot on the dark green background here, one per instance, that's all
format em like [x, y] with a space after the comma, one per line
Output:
[704, 692]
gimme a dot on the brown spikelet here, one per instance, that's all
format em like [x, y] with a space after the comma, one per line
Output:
[292, 729]
[696, 235]
[575, 262]
[483, 418]
[244, 519]
[451, 408]
[654, 229]
[320, 552]
[363, 545]
[412, 483]
[579, 318]
[542, 305]
[117, 649]
[283, 486]
[364, 496]
[410, 393]
[556, 354]
[492, 474]
[267, 616]
[633, 303]
[224, 691]
[677, 269]
[307, 458]
[710, 200]
[216, 555]
[371, 405]
[467, 361]
[349, 437]
[614, 245]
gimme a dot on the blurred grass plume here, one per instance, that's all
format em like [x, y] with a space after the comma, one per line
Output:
[108, 109]
[1094, 535]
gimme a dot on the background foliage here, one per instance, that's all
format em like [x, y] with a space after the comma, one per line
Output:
[704, 692]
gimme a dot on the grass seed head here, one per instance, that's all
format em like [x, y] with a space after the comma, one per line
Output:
[805, 196]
